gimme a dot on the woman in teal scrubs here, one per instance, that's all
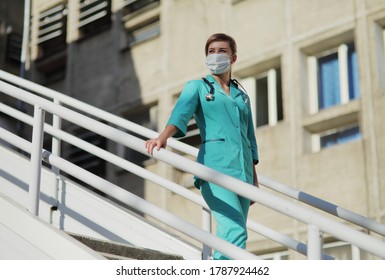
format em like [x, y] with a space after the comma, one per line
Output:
[228, 141]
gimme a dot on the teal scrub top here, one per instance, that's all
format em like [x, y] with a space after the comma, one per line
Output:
[225, 124]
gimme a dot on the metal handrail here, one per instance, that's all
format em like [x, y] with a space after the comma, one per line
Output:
[144, 173]
[130, 199]
[94, 111]
[323, 205]
[108, 156]
[60, 98]
[313, 219]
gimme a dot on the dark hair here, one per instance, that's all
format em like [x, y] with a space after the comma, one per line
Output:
[221, 37]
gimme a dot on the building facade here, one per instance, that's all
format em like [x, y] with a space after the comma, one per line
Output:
[314, 71]
[11, 33]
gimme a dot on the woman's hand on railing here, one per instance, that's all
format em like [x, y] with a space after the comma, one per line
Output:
[161, 140]
[157, 142]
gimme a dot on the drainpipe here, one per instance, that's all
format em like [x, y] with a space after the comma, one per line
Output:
[24, 59]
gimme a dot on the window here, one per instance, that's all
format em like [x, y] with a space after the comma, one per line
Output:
[141, 19]
[336, 136]
[52, 44]
[144, 32]
[340, 136]
[333, 78]
[135, 6]
[344, 251]
[339, 250]
[13, 47]
[52, 30]
[265, 91]
[94, 16]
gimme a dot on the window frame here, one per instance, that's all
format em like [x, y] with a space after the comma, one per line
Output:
[318, 122]
[379, 35]
[274, 109]
[316, 137]
[52, 28]
[342, 51]
[93, 17]
[141, 24]
[355, 251]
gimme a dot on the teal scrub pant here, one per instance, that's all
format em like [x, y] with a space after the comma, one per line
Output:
[230, 213]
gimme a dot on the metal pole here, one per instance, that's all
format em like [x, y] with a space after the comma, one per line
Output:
[36, 160]
[56, 147]
[206, 221]
[314, 246]
[25, 42]
[24, 57]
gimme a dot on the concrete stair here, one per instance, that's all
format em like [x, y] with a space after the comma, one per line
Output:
[118, 251]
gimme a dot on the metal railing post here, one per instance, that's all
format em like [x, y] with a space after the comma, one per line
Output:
[36, 160]
[315, 243]
[206, 225]
[56, 150]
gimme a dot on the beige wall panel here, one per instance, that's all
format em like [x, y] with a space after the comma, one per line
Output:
[374, 4]
[274, 152]
[336, 174]
[148, 59]
[270, 218]
[310, 15]
[42, 5]
[258, 28]
[189, 24]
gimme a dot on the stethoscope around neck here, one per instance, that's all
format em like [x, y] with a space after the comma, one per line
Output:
[210, 95]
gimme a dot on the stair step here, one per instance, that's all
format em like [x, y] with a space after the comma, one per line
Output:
[118, 251]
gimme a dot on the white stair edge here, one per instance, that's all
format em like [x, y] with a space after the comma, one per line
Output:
[25, 236]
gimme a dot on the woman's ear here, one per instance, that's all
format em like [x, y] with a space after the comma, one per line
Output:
[233, 59]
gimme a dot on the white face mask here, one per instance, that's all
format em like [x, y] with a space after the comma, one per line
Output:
[218, 63]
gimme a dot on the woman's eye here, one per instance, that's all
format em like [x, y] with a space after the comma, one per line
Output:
[217, 51]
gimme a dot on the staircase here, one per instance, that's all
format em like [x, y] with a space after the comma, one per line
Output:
[119, 251]
[110, 229]
[86, 214]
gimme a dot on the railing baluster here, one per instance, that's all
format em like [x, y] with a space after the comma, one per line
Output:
[315, 243]
[36, 160]
[56, 147]
[206, 221]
